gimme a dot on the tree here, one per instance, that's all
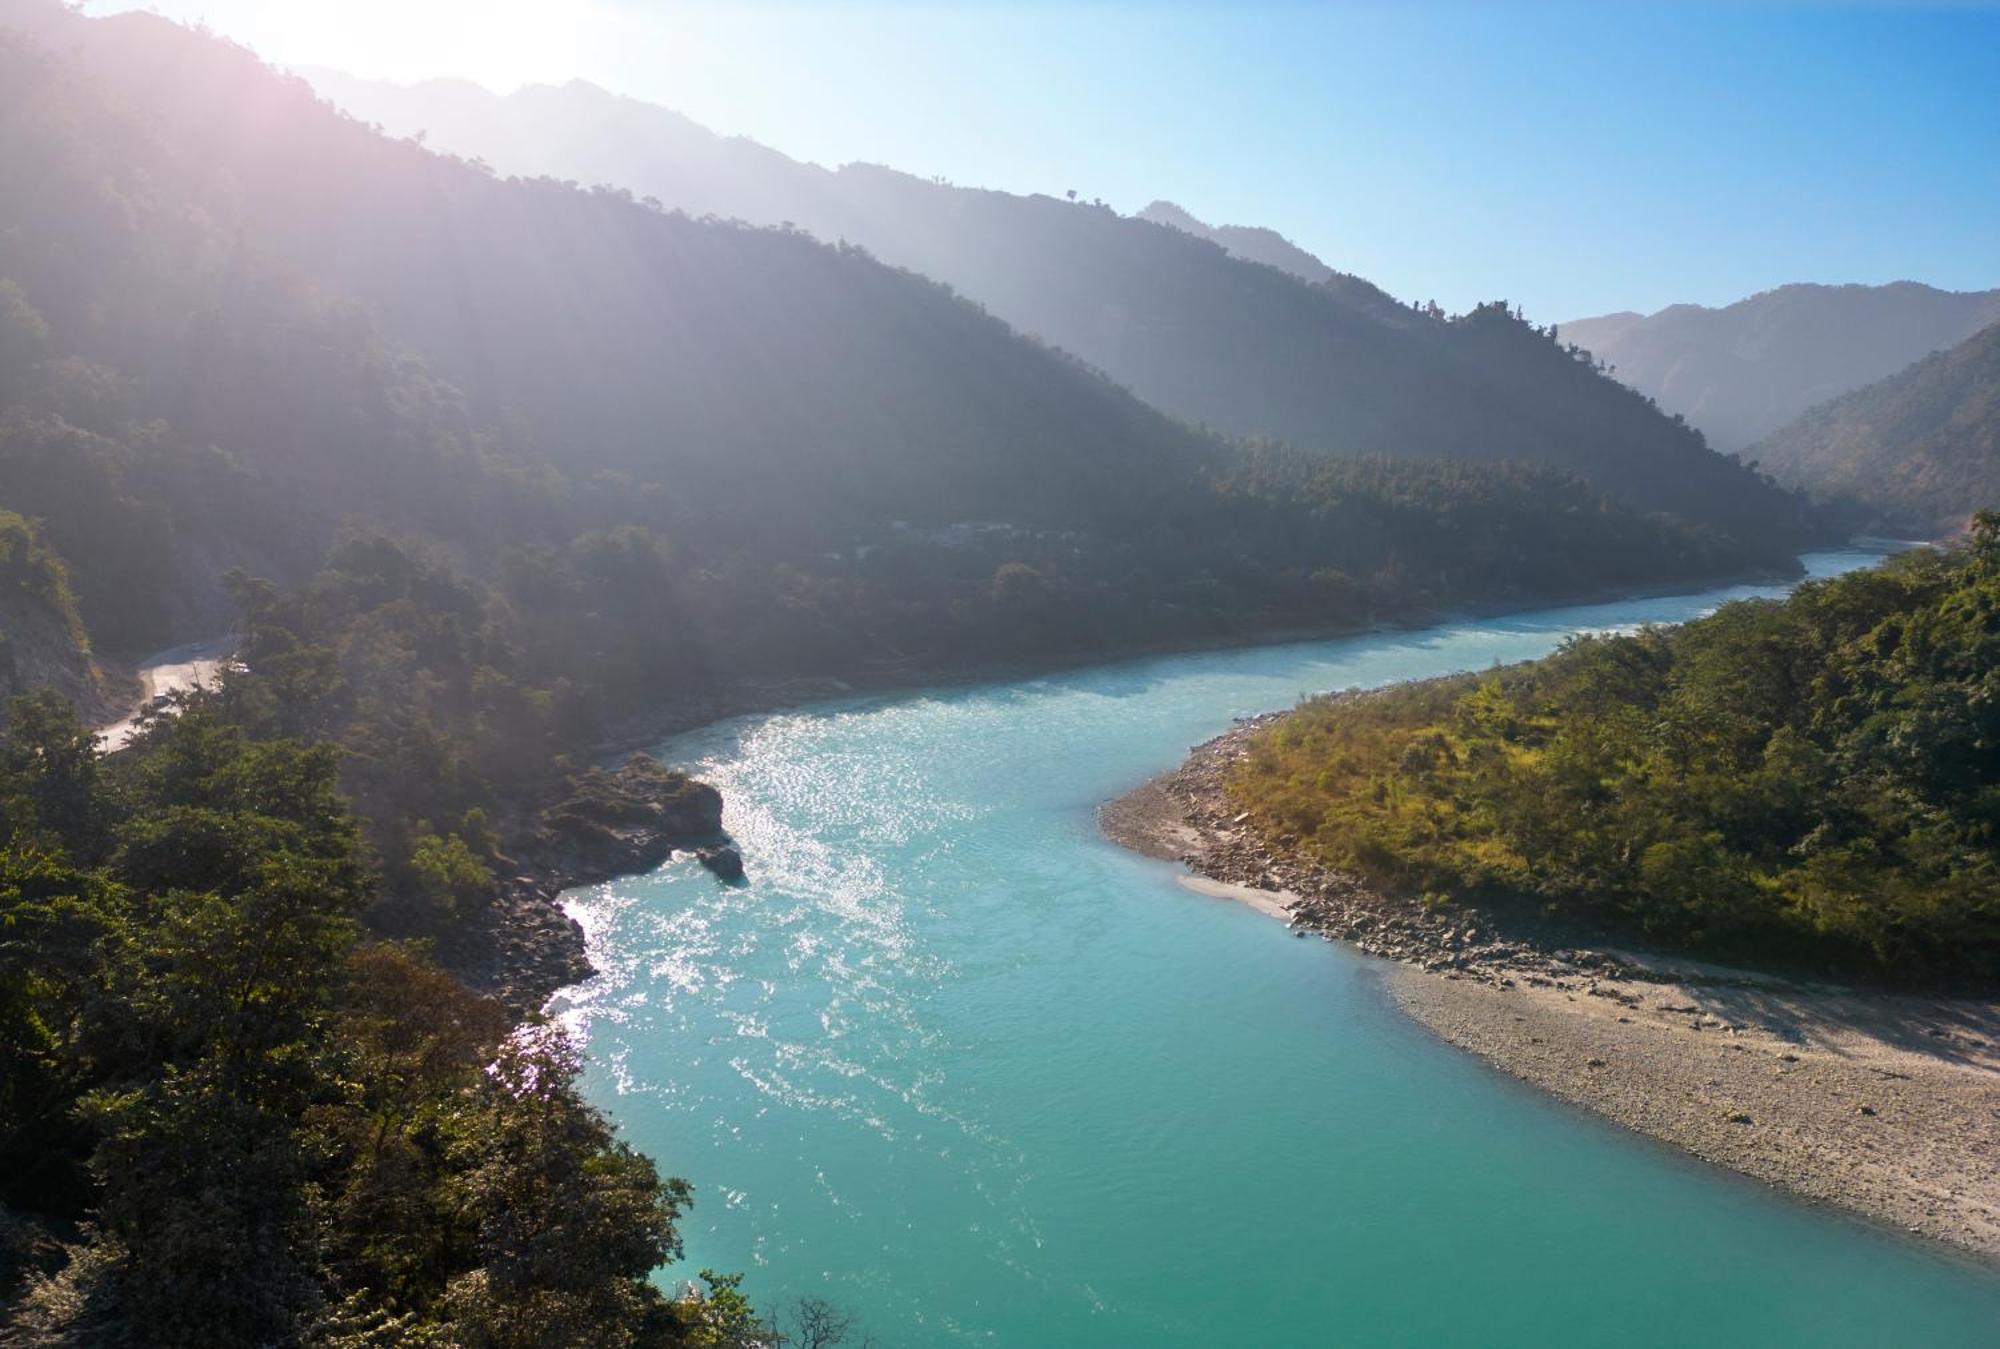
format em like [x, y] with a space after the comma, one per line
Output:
[569, 1222]
[814, 1323]
[49, 786]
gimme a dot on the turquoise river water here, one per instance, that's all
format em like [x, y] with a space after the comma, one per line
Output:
[956, 1064]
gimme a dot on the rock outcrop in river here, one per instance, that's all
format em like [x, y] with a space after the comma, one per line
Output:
[522, 947]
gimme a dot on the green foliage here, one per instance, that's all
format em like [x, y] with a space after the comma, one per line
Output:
[42, 636]
[30, 571]
[721, 1317]
[568, 1222]
[448, 872]
[50, 796]
[1813, 782]
[281, 1131]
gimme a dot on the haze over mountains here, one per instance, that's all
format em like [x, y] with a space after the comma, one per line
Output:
[1921, 448]
[1183, 322]
[1253, 243]
[1740, 372]
[1264, 338]
[245, 324]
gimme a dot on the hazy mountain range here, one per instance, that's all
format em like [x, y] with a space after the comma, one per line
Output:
[1742, 371]
[1921, 448]
[246, 325]
[1191, 325]
[1254, 243]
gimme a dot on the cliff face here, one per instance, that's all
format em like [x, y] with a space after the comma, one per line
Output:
[38, 651]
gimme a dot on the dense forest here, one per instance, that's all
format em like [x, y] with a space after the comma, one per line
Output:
[1186, 323]
[227, 343]
[1919, 450]
[1812, 783]
[464, 593]
[228, 1115]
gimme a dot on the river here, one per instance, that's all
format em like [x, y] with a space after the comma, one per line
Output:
[954, 1063]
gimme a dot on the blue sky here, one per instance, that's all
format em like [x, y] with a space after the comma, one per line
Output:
[1571, 158]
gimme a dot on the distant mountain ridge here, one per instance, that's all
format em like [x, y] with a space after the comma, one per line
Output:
[1253, 243]
[1740, 372]
[1180, 319]
[244, 324]
[1921, 448]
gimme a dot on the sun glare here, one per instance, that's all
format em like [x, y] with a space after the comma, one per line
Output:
[499, 43]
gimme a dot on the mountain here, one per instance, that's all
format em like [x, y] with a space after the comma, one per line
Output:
[1740, 372]
[627, 338]
[485, 473]
[1921, 448]
[350, 320]
[1180, 319]
[1254, 243]
[688, 453]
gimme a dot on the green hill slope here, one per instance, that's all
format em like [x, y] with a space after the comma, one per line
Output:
[265, 321]
[1211, 337]
[1921, 449]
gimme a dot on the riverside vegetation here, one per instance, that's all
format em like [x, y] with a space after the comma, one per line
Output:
[1853, 1073]
[1812, 783]
[257, 1125]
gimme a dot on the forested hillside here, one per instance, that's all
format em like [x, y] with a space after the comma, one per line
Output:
[244, 320]
[236, 1119]
[1208, 336]
[782, 386]
[1921, 449]
[1809, 783]
[1741, 372]
[43, 643]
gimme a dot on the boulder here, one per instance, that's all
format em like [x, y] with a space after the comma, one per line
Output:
[628, 821]
[723, 860]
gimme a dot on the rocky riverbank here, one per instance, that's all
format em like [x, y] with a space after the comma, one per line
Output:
[1185, 816]
[520, 946]
[1885, 1106]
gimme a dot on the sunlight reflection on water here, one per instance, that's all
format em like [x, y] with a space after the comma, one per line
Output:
[955, 1063]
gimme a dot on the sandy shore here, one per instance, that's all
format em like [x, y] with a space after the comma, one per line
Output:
[1885, 1106]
